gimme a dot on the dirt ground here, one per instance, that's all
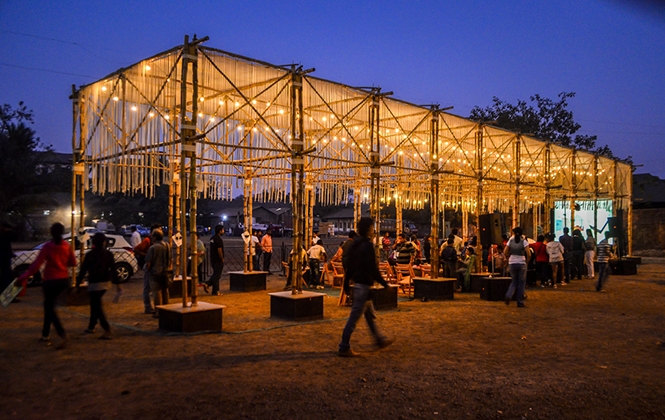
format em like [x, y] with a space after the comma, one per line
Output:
[571, 353]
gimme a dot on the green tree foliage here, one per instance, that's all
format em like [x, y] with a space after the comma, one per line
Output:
[22, 169]
[546, 119]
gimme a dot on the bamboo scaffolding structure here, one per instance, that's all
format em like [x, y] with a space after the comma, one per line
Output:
[289, 129]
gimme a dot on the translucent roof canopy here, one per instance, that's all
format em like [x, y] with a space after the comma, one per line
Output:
[246, 117]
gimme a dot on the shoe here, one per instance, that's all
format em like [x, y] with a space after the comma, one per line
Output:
[507, 301]
[63, 342]
[46, 339]
[149, 311]
[542, 285]
[206, 288]
[554, 287]
[319, 287]
[563, 283]
[106, 335]
[217, 293]
[601, 291]
[521, 306]
[385, 343]
[88, 331]
[347, 353]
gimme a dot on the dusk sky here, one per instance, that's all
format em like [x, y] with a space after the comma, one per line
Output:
[460, 54]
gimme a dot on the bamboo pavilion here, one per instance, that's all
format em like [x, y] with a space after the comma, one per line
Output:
[204, 121]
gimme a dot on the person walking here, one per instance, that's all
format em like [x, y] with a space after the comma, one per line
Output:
[266, 245]
[217, 261]
[141, 251]
[567, 241]
[604, 251]
[589, 253]
[58, 256]
[555, 253]
[361, 268]
[157, 262]
[518, 252]
[98, 264]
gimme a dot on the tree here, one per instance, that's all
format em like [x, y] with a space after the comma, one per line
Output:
[547, 120]
[19, 160]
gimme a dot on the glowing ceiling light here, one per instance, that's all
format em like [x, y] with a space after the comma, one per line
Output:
[267, 104]
[147, 68]
[166, 117]
[134, 108]
[240, 127]
[202, 99]
[200, 114]
[115, 98]
[323, 119]
[152, 114]
[253, 101]
[281, 111]
[212, 119]
[254, 129]
[221, 102]
[103, 88]
[237, 103]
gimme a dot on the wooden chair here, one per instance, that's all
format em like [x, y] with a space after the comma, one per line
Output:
[405, 276]
[426, 269]
[387, 272]
[338, 275]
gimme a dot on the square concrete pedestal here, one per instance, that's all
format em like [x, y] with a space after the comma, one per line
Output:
[384, 297]
[204, 317]
[441, 288]
[494, 288]
[250, 281]
[476, 282]
[306, 306]
[175, 289]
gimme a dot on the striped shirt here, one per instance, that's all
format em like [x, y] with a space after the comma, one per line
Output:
[603, 251]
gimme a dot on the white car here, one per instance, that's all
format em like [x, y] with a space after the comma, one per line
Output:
[125, 261]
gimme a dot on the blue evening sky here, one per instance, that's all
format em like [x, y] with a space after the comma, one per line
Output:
[461, 54]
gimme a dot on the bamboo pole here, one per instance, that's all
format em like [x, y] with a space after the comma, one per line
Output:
[573, 197]
[375, 174]
[548, 183]
[630, 212]
[192, 189]
[434, 193]
[516, 201]
[479, 197]
[75, 151]
[185, 132]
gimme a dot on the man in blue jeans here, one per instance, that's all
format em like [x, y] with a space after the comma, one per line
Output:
[362, 269]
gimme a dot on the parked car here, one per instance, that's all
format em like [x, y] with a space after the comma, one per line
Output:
[125, 261]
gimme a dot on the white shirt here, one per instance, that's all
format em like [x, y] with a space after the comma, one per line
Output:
[135, 239]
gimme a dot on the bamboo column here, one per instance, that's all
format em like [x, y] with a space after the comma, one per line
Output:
[573, 197]
[479, 197]
[595, 197]
[187, 129]
[375, 175]
[548, 186]
[516, 202]
[399, 224]
[434, 192]
[630, 211]
[297, 178]
[248, 211]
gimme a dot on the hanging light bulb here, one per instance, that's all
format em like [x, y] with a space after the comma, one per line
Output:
[103, 88]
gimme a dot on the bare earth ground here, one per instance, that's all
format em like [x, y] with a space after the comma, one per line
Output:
[572, 353]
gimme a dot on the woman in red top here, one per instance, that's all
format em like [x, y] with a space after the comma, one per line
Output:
[542, 260]
[58, 256]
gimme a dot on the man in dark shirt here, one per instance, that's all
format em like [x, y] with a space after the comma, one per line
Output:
[345, 247]
[7, 235]
[578, 255]
[567, 241]
[361, 268]
[216, 259]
